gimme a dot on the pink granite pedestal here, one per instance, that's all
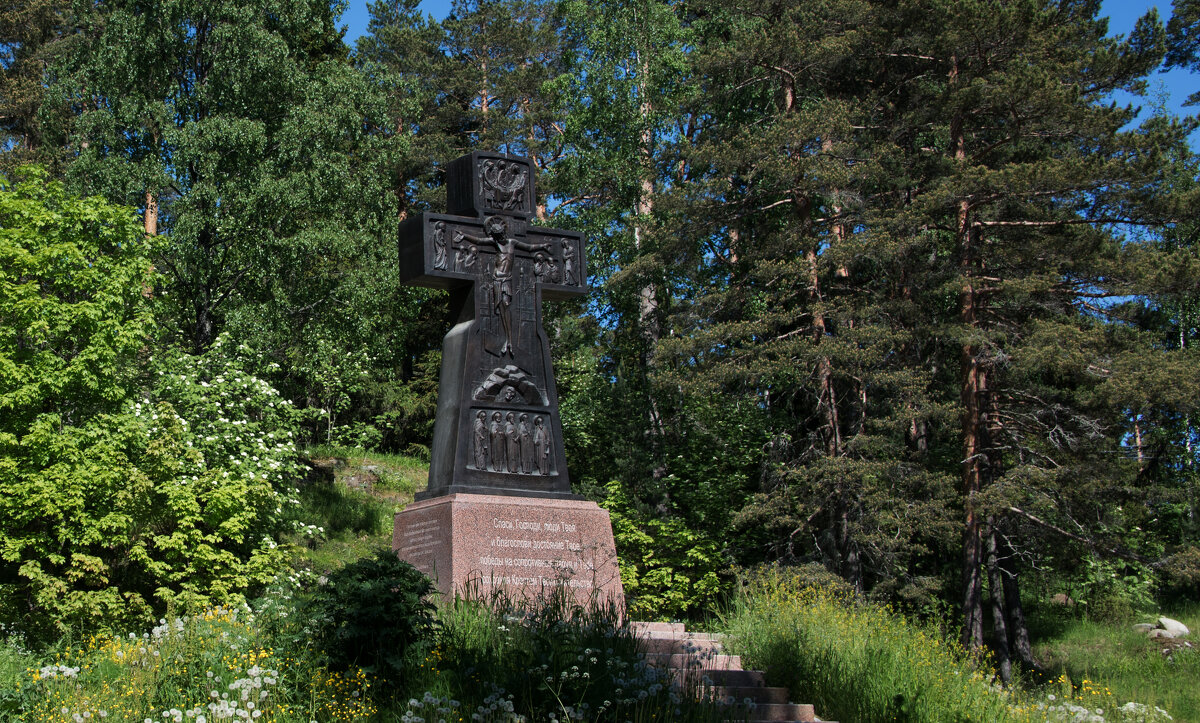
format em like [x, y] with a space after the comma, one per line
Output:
[527, 546]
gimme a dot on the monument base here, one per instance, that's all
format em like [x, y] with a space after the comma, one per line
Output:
[526, 547]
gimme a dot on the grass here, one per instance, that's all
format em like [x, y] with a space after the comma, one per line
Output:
[1116, 658]
[394, 473]
[546, 661]
[856, 662]
[491, 660]
[347, 505]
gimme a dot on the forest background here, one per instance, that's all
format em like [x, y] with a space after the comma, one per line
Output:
[895, 288]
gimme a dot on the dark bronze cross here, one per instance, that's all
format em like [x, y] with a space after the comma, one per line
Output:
[497, 429]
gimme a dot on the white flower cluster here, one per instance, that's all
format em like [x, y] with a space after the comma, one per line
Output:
[166, 629]
[308, 532]
[83, 715]
[59, 671]
[244, 698]
[631, 681]
[1142, 713]
[239, 422]
[496, 708]
[1131, 712]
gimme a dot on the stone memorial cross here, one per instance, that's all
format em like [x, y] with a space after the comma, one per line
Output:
[497, 429]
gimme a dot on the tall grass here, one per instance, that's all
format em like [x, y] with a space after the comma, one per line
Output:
[505, 659]
[865, 663]
[857, 662]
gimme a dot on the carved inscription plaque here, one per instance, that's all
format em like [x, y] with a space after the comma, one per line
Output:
[529, 551]
[527, 546]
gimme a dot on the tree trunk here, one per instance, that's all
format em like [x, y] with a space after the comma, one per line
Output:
[648, 299]
[1137, 442]
[1018, 627]
[851, 565]
[150, 219]
[972, 396]
[202, 336]
[999, 609]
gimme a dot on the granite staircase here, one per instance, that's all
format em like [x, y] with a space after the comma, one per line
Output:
[699, 667]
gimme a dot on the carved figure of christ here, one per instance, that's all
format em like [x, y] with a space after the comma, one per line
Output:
[502, 269]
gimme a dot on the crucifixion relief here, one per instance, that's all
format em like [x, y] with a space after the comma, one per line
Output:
[497, 429]
[502, 269]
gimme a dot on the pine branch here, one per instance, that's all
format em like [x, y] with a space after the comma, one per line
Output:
[1112, 550]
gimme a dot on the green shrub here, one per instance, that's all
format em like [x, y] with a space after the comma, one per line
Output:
[372, 613]
[1182, 574]
[127, 485]
[669, 569]
[862, 662]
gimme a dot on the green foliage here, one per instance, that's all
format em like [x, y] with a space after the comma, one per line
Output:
[264, 160]
[74, 272]
[373, 613]
[1112, 591]
[838, 247]
[221, 664]
[1182, 574]
[238, 420]
[668, 569]
[72, 277]
[31, 35]
[16, 690]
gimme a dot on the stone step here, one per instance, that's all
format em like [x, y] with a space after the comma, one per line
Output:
[660, 635]
[686, 661]
[698, 666]
[678, 645]
[734, 678]
[739, 694]
[783, 712]
[639, 626]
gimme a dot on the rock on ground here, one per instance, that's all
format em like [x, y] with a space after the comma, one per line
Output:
[1176, 628]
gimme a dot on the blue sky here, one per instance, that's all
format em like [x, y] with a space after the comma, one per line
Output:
[1178, 84]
